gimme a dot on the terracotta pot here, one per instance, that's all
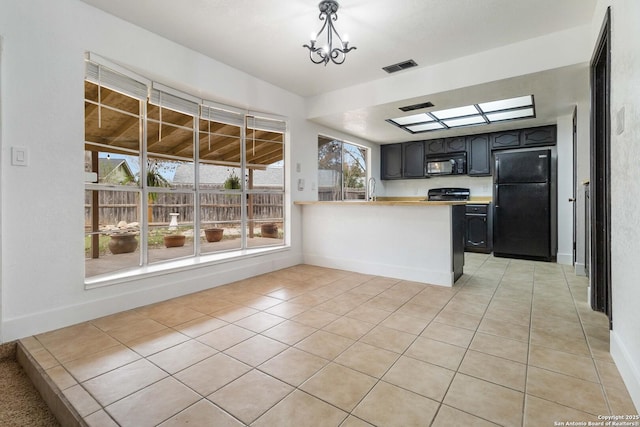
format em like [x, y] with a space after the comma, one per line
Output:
[213, 234]
[269, 230]
[174, 240]
[123, 243]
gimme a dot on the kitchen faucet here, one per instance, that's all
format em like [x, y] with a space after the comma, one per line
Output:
[371, 188]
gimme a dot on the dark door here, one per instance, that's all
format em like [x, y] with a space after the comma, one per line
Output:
[525, 167]
[391, 161]
[476, 232]
[522, 223]
[413, 159]
[600, 173]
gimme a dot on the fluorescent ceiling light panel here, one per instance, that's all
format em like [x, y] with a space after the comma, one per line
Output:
[426, 126]
[467, 110]
[505, 104]
[509, 115]
[464, 121]
[415, 118]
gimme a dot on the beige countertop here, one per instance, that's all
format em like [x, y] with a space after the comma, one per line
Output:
[399, 201]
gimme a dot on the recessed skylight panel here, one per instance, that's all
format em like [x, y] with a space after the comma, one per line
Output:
[464, 121]
[467, 110]
[506, 104]
[425, 127]
[415, 118]
[510, 115]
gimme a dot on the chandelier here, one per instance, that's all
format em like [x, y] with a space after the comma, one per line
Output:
[327, 52]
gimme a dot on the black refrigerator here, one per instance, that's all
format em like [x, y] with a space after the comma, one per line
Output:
[523, 219]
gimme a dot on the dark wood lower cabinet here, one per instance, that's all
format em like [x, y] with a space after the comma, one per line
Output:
[478, 228]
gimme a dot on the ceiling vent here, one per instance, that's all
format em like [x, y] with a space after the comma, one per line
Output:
[416, 106]
[400, 66]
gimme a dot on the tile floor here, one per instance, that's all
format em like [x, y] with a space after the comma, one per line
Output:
[512, 343]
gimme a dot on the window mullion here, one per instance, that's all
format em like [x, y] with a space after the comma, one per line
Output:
[196, 186]
[144, 203]
[243, 198]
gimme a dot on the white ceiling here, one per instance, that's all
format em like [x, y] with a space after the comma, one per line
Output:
[264, 38]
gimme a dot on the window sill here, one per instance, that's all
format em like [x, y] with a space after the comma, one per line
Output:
[185, 264]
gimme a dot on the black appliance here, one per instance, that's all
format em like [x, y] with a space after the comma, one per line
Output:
[446, 164]
[448, 194]
[522, 220]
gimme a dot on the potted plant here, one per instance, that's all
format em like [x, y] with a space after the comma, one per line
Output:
[269, 229]
[174, 240]
[122, 237]
[232, 182]
[213, 234]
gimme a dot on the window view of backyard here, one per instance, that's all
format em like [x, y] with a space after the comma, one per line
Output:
[342, 170]
[170, 178]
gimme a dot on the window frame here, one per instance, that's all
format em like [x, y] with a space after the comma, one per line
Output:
[366, 165]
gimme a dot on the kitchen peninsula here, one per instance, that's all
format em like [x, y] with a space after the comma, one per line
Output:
[420, 241]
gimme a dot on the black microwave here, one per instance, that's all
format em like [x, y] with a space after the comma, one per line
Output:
[446, 164]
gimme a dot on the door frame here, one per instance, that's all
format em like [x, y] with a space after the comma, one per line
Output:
[600, 172]
[575, 180]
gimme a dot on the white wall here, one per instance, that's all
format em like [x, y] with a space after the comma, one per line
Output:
[625, 187]
[42, 77]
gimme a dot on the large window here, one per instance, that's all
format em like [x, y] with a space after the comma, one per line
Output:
[169, 176]
[342, 170]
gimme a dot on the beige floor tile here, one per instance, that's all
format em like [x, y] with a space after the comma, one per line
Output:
[510, 316]
[609, 375]
[117, 320]
[567, 343]
[325, 344]
[259, 322]
[136, 330]
[420, 377]
[448, 416]
[289, 332]
[368, 314]
[501, 347]
[213, 373]
[494, 369]
[339, 385]
[225, 337]
[205, 303]
[293, 366]
[154, 404]
[423, 312]
[461, 320]
[287, 412]
[352, 421]
[449, 334]
[287, 309]
[262, 302]
[234, 313]
[539, 412]
[202, 413]
[565, 363]
[150, 344]
[340, 305]
[250, 396]
[486, 400]
[44, 358]
[567, 391]
[349, 328]
[200, 326]
[620, 401]
[404, 323]
[388, 339]
[95, 364]
[384, 303]
[504, 329]
[436, 352]
[256, 350]
[114, 385]
[367, 359]
[181, 356]
[170, 313]
[410, 409]
[81, 400]
[464, 306]
[61, 377]
[315, 318]
[76, 341]
[100, 419]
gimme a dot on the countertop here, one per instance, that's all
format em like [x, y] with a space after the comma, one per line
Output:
[401, 201]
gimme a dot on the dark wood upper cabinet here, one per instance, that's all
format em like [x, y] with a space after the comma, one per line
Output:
[391, 161]
[455, 145]
[413, 159]
[479, 157]
[434, 146]
[543, 135]
[507, 139]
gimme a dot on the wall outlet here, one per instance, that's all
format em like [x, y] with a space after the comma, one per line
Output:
[300, 184]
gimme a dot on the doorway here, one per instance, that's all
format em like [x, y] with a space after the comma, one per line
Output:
[600, 172]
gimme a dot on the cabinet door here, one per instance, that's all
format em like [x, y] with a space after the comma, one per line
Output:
[508, 139]
[434, 146]
[479, 155]
[455, 145]
[391, 161]
[476, 237]
[413, 159]
[544, 135]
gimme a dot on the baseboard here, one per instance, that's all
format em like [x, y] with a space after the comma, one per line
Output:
[628, 367]
[564, 259]
[579, 269]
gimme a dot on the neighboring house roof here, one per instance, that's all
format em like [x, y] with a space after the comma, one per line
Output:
[270, 176]
[114, 170]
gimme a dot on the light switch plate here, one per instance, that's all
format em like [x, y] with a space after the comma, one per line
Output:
[19, 156]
